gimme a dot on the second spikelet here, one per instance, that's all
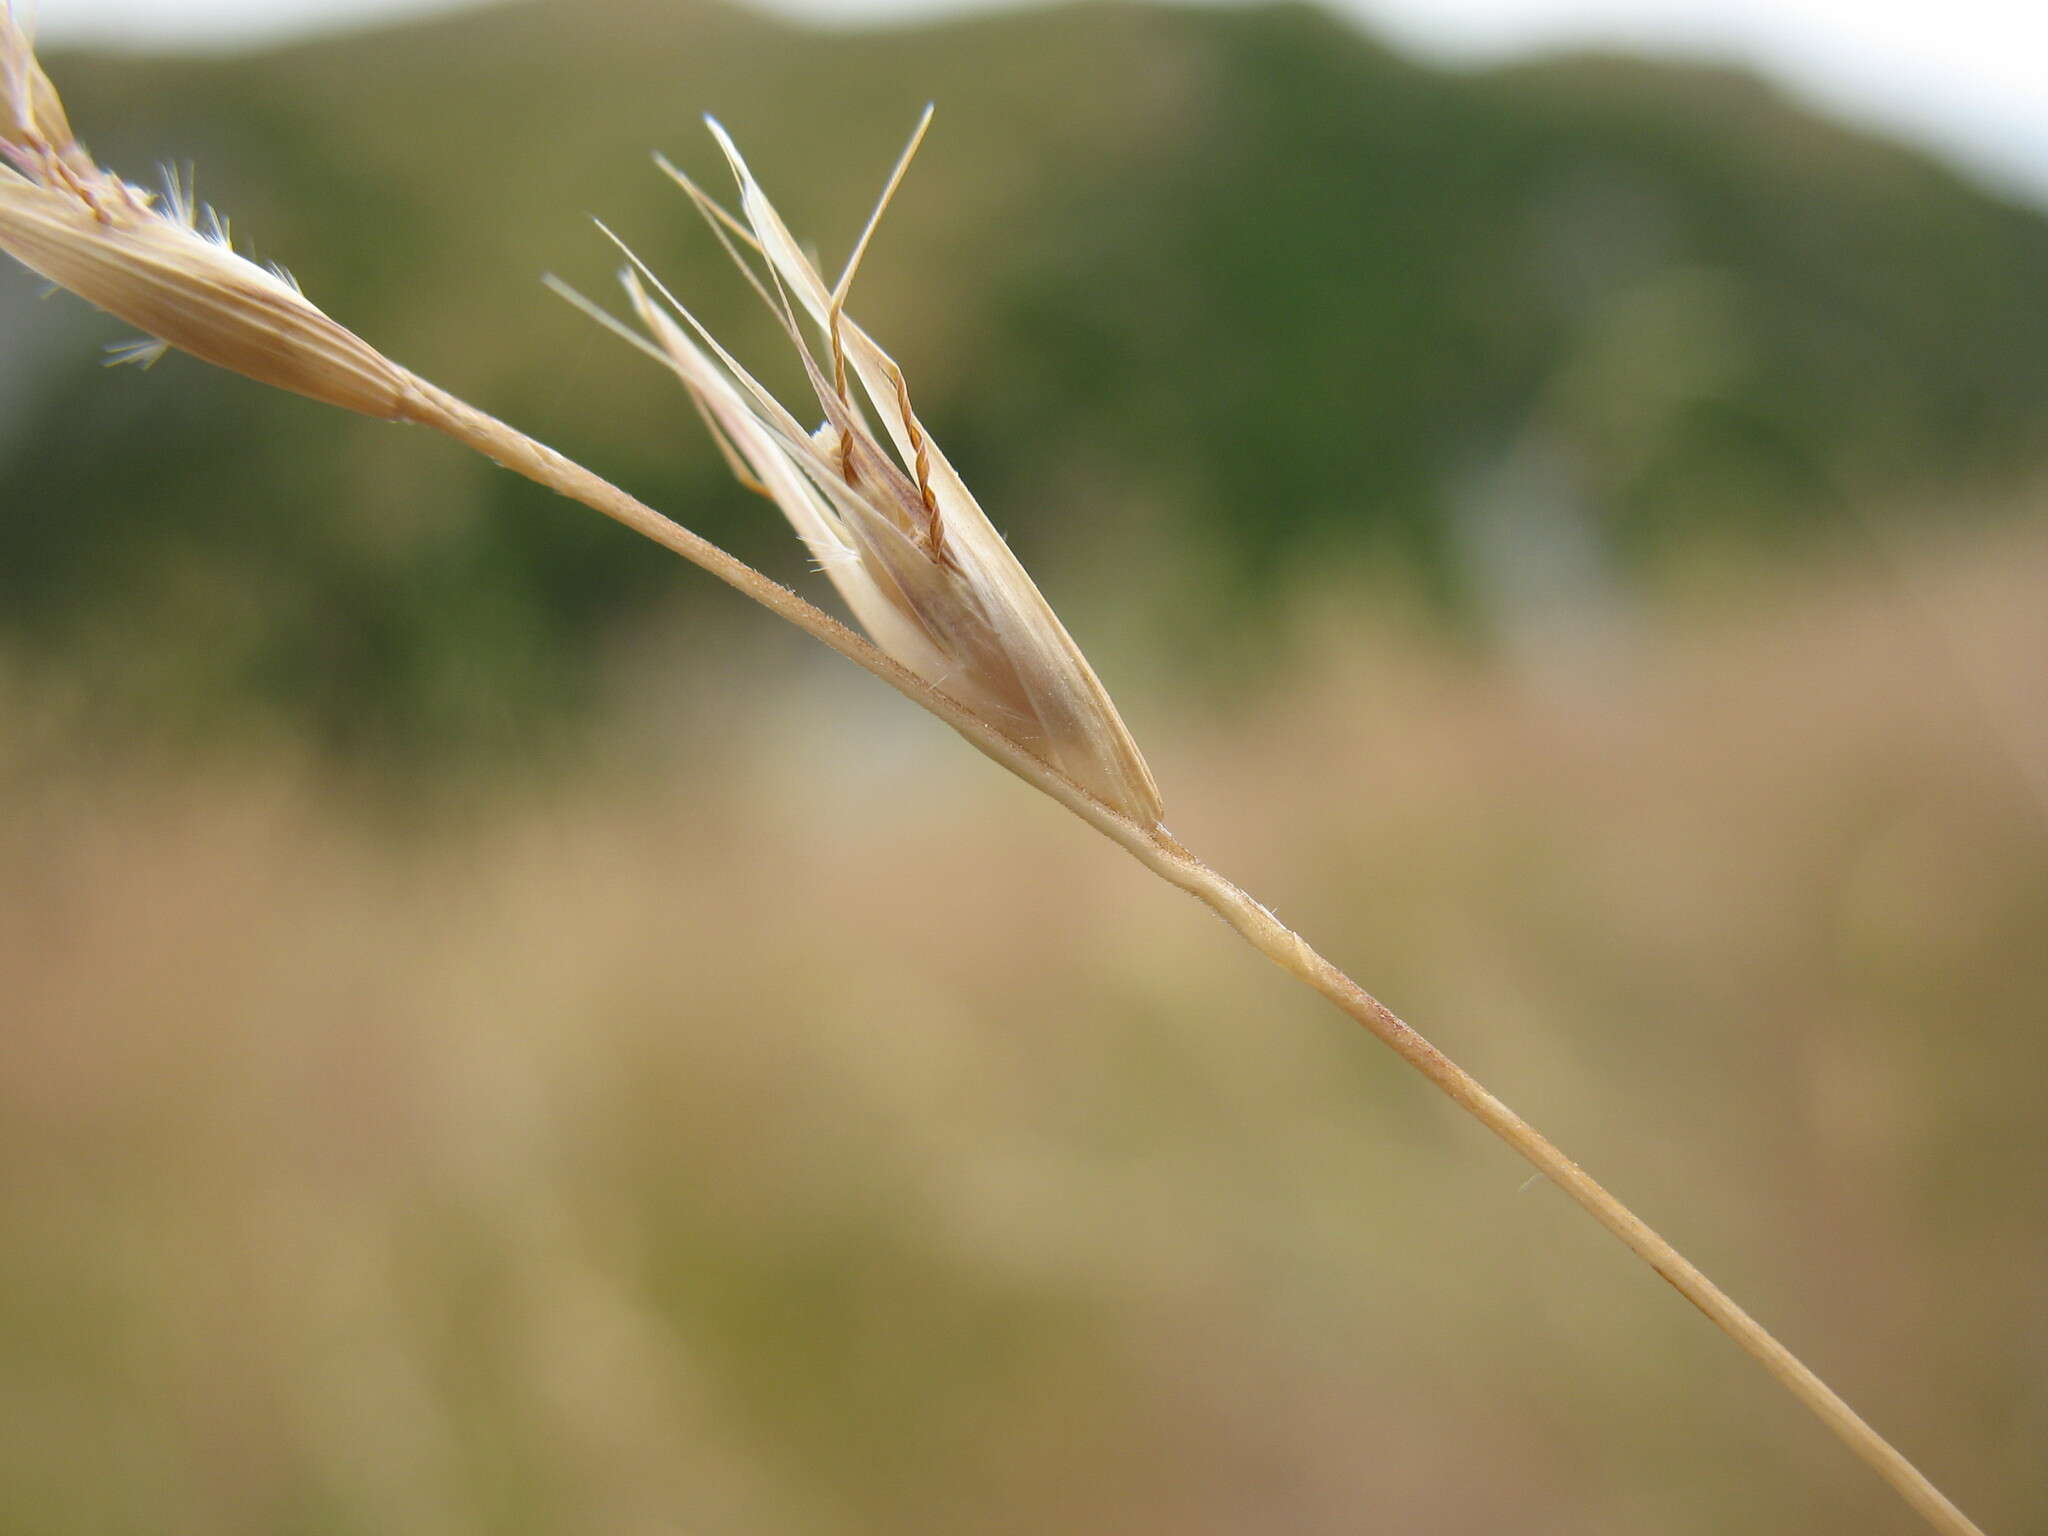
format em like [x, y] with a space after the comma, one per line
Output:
[889, 521]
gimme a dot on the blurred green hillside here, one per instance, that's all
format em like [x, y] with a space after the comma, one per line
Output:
[1210, 297]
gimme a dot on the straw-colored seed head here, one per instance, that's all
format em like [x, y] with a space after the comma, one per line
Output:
[888, 519]
[117, 246]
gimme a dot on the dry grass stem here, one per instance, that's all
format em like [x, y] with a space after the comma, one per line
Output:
[956, 625]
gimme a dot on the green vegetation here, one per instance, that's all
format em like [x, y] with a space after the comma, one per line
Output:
[1237, 283]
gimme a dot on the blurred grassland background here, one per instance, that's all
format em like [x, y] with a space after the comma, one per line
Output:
[495, 1037]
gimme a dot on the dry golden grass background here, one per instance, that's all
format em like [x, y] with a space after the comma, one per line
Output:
[786, 1122]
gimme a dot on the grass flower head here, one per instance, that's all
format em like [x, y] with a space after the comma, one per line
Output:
[158, 260]
[885, 515]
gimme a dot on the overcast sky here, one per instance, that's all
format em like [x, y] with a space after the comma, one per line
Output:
[1968, 78]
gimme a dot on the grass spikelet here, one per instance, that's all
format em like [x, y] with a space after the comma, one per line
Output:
[892, 525]
[157, 262]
